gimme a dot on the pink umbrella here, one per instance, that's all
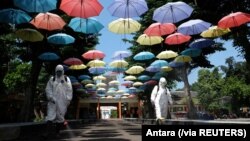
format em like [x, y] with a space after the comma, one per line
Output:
[72, 61]
[93, 54]
[159, 29]
[177, 38]
[234, 20]
[48, 21]
[81, 8]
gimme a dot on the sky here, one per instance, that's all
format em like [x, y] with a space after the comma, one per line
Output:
[110, 42]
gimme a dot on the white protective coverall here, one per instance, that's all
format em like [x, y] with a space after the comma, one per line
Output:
[59, 95]
[160, 98]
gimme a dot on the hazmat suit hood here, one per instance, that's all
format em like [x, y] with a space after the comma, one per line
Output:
[59, 71]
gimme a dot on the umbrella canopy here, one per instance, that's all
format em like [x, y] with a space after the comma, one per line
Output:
[119, 64]
[83, 77]
[114, 82]
[159, 63]
[121, 54]
[143, 78]
[81, 8]
[160, 29]
[151, 82]
[96, 63]
[234, 20]
[192, 52]
[99, 77]
[153, 69]
[13, 16]
[36, 5]
[130, 78]
[48, 21]
[93, 54]
[177, 38]
[61, 39]
[174, 64]
[117, 69]
[214, 31]
[124, 26]
[193, 27]
[73, 61]
[137, 84]
[172, 12]
[101, 85]
[128, 8]
[166, 54]
[166, 69]
[183, 58]
[135, 70]
[86, 81]
[144, 39]
[87, 26]
[145, 55]
[28, 34]
[78, 67]
[48, 56]
[97, 70]
[201, 43]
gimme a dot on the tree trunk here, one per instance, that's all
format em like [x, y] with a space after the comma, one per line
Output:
[192, 112]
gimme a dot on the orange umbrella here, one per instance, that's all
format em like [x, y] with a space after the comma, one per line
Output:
[81, 8]
[48, 21]
[234, 20]
[177, 38]
[93, 54]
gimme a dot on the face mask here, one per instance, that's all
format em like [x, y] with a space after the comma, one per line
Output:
[59, 73]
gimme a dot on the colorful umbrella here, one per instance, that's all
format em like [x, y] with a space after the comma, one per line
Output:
[166, 54]
[78, 67]
[121, 54]
[172, 12]
[159, 63]
[97, 70]
[87, 26]
[61, 39]
[137, 84]
[124, 26]
[28, 34]
[128, 8]
[96, 63]
[117, 70]
[214, 31]
[101, 85]
[48, 21]
[81, 8]
[119, 64]
[201, 43]
[177, 38]
[72, 61]
[234, 20]
[48, 56]
[93, 54]
[135, 70]
[144, 39]
[193, 27]
[13, 16]
[143, 78]
[114, 82]
[36, 5]
[130, 78]
[159, 29]
[183, 58]
[99, 77]
[166, 69]
[127, 83]
[192, 52]
[151, 82]
[86, 81]
[83, 77]
[174, 64]
[145, 55]
[153, 69]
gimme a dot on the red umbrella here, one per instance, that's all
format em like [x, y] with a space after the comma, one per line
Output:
[159, 29]
[48, 21]
[177, 38]
[151, 82]
[81, 8]
[93, 54]
[234, 20]
[72, 61]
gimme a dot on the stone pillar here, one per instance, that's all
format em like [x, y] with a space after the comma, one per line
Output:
[119, 110]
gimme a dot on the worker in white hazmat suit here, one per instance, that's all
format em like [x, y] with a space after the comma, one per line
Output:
[161, 98]
[59, 95]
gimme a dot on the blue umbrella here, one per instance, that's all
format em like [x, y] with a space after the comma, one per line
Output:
[193, 27]
[153, 69]
[87, 26]
[121, 55]
[172, 12]
[39, 6]
[159, 63]
[61, 39]
[83, 77]
[145, 55]
[14, 16]
[48, 56]
[97, 70]
[201, 43]
[117, 70]
[143, 78]
[71, 77]
[192, 52]
[174, 64]
[128, 8]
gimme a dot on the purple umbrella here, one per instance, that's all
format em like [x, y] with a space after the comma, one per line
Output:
[97, 70]
[121, 55]
[174, 64]
[153, 69]
[172, 12]
[128, 8]
[193, 27]
[201, 43]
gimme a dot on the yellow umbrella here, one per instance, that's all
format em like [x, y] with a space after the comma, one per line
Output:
[77, 67]
[183, 58]
[166, 54]
[29, 34]
[144, 39]
[101, 89]
[120, 92]
[119, 64]
[166, 69]
[124, 26]
[214, 31]
[130, 78]
[135, 70]
[137, 84]
[114, 82]
[89, 85]
[101, 85]
[100, 77]
[96, 63]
